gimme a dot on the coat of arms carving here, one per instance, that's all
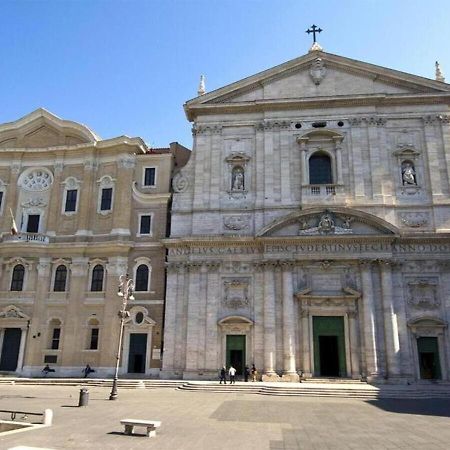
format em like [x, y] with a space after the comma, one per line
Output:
[423, 294]
[236, 293]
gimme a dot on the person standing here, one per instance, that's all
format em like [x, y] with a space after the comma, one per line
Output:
[232, 373]
[223, 375]
[254, 372]
[246, 373]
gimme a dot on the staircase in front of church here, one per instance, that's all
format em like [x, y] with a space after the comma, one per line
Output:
[314, 387]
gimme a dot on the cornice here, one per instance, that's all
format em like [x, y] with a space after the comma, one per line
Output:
[319, 102]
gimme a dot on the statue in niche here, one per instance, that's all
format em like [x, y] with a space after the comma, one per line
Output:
[237, 179]
[408, 174]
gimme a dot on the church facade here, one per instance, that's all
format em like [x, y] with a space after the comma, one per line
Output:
[85, 211]
[310, 230]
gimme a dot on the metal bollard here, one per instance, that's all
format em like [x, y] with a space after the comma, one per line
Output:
[84, 397]
[48, 417]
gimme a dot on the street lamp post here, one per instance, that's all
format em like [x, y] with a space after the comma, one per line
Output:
[126, 287]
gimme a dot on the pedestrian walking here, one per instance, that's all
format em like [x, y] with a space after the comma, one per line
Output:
[232, 373]
[87, 370]
[223, 375]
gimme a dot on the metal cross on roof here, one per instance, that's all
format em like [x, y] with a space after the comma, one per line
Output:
[314, 29]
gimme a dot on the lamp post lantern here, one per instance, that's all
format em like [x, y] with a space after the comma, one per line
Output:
[126, 287]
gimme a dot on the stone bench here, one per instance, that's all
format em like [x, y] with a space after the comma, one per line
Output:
[151, 426]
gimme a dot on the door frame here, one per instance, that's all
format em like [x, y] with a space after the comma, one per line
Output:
[238, 325]
[13, 317]
[131, 327]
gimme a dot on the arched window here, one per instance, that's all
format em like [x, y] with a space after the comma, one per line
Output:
[141, 282]
[18, 277]
[60, 279]
[97, 278]
[320, 169]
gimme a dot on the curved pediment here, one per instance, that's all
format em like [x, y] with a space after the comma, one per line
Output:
[319, 221]
[41, 129]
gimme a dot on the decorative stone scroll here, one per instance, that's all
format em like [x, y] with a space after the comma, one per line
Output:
[180, 183]
[423, 294]
[236, 222]
[318, 71]
[414, 219]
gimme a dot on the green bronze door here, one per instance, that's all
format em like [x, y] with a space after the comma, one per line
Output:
[329, 346]
[235, 352]
[428, 350]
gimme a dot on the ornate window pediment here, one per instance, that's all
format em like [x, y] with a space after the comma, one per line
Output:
[13, 312]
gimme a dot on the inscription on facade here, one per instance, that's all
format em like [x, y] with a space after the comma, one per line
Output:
[319, 248]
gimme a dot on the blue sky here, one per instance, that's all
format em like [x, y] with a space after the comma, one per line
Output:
[127, 67]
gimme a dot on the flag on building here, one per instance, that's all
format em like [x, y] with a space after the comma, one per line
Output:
[13, 224]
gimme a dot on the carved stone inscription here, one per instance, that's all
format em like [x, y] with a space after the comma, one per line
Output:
[319, 248]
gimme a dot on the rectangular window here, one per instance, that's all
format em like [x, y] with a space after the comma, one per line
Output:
[149, 176]
[50, 359]
[146, 224]
[105, 204]
[94, 339]
[1, 199]
[33, 223]
[71, 200]
[55, 338]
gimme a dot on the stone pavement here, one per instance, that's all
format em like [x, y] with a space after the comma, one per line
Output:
[203, 420]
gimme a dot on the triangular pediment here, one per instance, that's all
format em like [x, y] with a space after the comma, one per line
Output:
[319, 75]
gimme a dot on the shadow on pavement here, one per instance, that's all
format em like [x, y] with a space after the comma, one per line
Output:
[425, 407]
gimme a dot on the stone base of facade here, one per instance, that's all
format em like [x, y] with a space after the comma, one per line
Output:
[271, 377]
[291, 377]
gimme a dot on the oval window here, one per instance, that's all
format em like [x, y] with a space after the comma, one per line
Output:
[139, 318]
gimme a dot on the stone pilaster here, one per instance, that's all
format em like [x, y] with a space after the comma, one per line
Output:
[357, 148]
[269, 324]
[55, 204]
[289, 367]
[193, 311]
[88, 205]
[170, 324]
[212, 307]
[38, 326]
[370, 338]
[115, 267]
[73, 338]
[434, 163]
[390, 321]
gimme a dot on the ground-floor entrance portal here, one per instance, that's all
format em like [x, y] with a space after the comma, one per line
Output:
[235, 352]
[10, 349]
[329, 346]
[428, 351]
[137, 353]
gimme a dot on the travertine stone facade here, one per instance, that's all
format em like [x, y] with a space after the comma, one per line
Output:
[87, 211]
[310, 228]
